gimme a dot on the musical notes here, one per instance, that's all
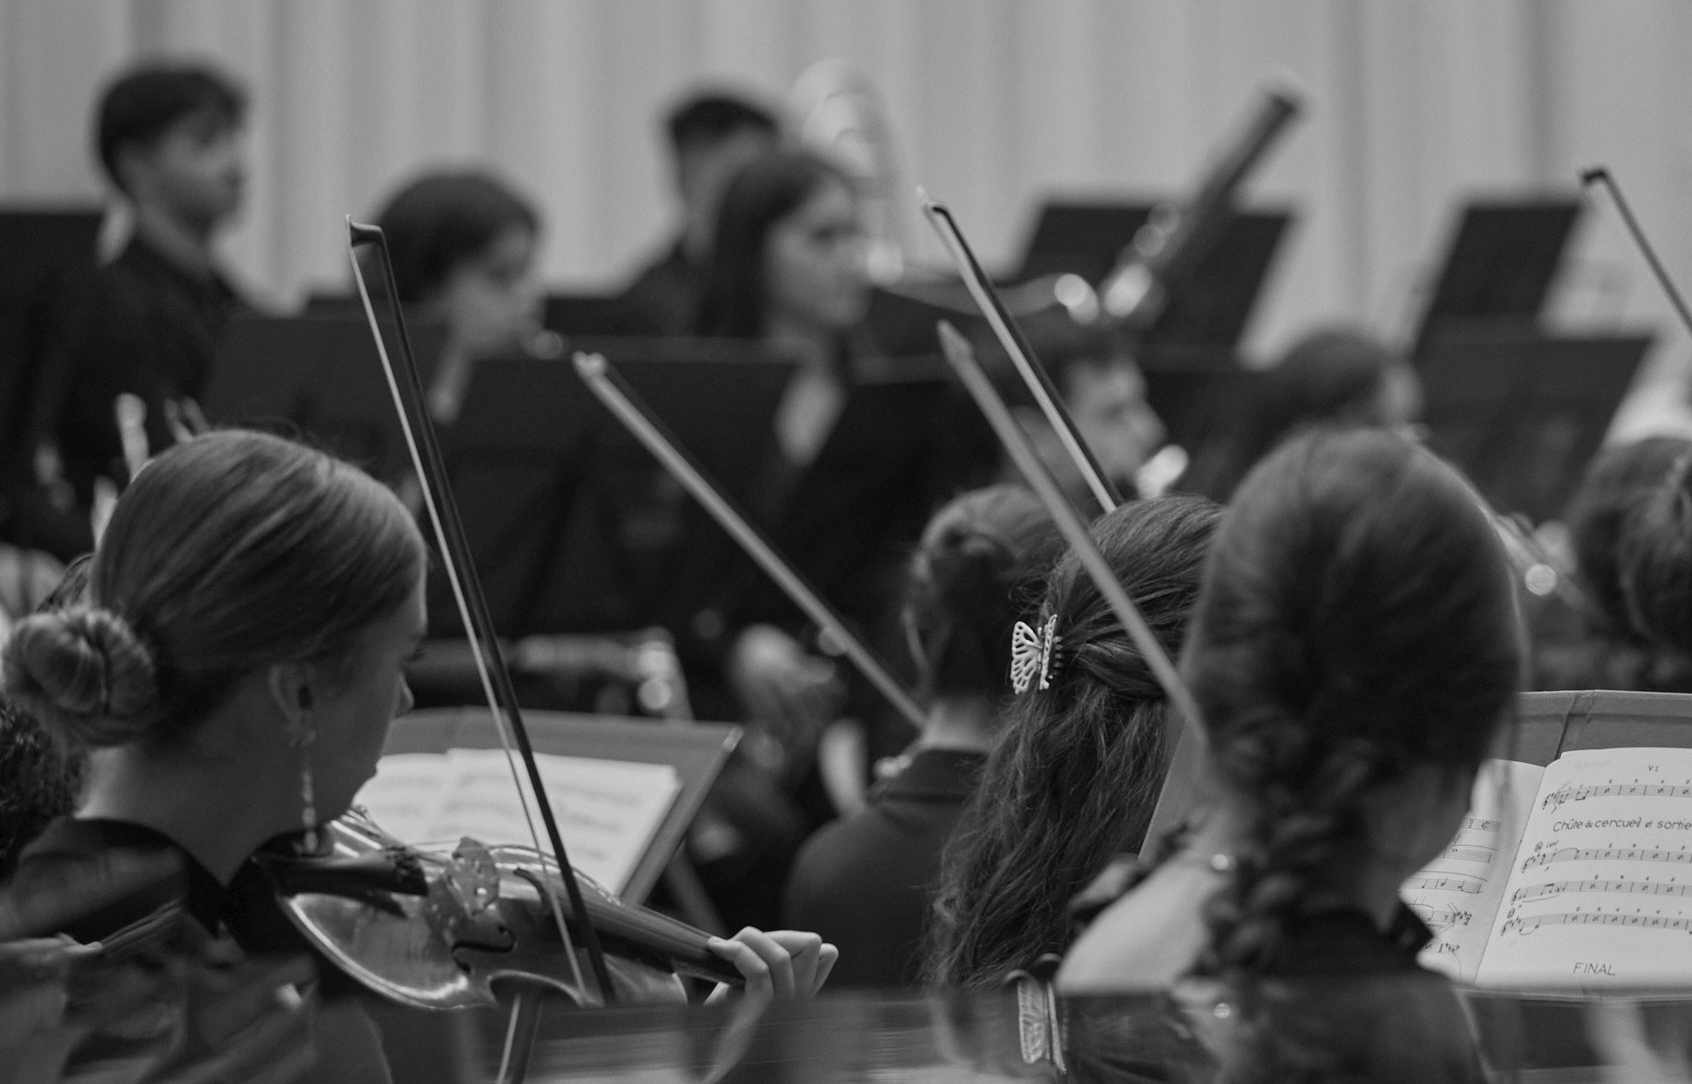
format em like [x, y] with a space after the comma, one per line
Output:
[1477, 824]
[1608, 854]
[1557, 798]
[1527, 924]
[1467, 885]
[1468, 853]
[1438, 919]
[1621, 888]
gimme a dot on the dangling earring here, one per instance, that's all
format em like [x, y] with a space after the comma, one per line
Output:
[300, 736]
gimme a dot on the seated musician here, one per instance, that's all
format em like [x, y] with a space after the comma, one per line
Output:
[1654, 559]
[1333, 376]
[464, 248]
[170, 142]
[1354, 654]
[866, 882]
[711, 136]
[1606, 648]
[1077, 767]
[234, 670]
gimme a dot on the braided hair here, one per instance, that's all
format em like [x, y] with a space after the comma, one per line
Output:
[1357, 621]
[1077, 766]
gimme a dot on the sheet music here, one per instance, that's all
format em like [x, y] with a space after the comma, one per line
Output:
[608, 810]
[1458, 893]
[1601, 890]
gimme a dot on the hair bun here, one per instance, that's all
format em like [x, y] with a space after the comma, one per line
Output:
[85, 671]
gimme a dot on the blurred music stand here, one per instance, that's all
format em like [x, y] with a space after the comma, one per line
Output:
[1210, 309]
[576, 315]
[575, 527]
[1521, 414]
[39, 250]
[1499, 266]
[319, 377]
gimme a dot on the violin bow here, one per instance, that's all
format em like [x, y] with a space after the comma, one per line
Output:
[1601, 175]
[406, 385]
[962, 359]
[626, 405]
[1022, 355]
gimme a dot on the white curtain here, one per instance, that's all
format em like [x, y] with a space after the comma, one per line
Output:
[1413, 106]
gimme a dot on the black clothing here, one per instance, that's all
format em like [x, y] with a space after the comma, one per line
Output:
[1348, 1002]
[142, 325]
[865, 883]
[664, 298]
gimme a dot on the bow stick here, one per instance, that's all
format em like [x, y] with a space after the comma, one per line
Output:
[1600, 175]
[1015, 344]
[621, 399]
[421, 442]
[962, 359]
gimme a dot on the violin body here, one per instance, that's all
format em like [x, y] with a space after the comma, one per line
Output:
[439, 931]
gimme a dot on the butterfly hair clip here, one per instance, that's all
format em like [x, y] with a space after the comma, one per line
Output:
[1034, 655]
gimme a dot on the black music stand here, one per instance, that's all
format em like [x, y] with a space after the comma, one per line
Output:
[1211, 308]
[1499, 266]
[1522, 414]
[697, 751]
[574, 526]
[320, 378]
[39, 249]
[577, 315]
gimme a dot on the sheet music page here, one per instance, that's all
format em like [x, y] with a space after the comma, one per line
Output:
[1458, 893]
[1601, 890]
[608, 811]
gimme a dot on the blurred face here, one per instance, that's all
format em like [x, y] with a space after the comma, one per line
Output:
[703, 170]
[1108, 402]
[814, 270]
[352, 717]
[195, 171]
[492, 301]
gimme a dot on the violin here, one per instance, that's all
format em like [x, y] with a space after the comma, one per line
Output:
[440, 930]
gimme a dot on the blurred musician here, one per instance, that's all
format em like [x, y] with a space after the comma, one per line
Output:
[170, 140]
[710, 136]
[464, 248]
[865, 882]
[1333, 376]
[1622, 496]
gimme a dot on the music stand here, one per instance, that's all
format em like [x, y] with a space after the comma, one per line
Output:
[320, 377]
[577, 315]
[1499, 266]
[697, 751]
[39, 248]
[575, 527]
[1521, 414]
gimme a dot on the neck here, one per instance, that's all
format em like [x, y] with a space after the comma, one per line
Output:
[1353, 878]
[962, 724]
[811, 344]
[184, 244]
[212, 813]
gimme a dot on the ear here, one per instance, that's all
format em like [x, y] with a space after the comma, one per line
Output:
[291, 690]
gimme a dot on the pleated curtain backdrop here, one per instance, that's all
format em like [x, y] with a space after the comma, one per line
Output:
[1413, 105]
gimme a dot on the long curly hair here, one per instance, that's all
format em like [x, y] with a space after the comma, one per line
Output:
[1077, 767]
[1357, 621]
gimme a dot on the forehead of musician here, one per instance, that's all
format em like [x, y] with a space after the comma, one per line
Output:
[1355, 653]
[1619, 479]
[977, 568]
[464, 248]
[246, 584]
[1077, 767]
[1654, 558]
[788, 253]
